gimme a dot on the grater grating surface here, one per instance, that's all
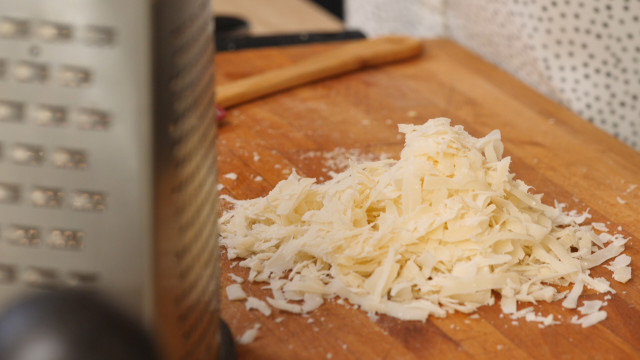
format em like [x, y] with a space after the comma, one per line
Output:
[189, 181]
[107, 159]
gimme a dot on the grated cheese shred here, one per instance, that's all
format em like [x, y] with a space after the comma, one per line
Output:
[444, 228]
[235, 292]
[250, 335]
[255, 303]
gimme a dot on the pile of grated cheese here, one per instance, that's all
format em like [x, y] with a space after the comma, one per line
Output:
[445, 228]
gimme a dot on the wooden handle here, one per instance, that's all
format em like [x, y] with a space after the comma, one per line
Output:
[350, 57]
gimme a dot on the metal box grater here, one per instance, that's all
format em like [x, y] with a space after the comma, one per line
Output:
[107, 159]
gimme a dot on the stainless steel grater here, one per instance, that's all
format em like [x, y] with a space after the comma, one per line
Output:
[107, 159]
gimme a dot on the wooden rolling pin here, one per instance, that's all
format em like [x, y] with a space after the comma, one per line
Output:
[350, 57]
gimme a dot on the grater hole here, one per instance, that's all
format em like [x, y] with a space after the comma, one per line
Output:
[65, 239]
[50, 31]
[23, 235]
[39, 277]
[99, 36]
[91, 119]
[48, 115]
[88, 201]
[30, 72]
[46, 197]
[13, 27]
[69, 159]
[23, 154]
[74, 76]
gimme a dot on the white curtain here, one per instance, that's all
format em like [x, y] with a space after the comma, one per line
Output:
[584, 54]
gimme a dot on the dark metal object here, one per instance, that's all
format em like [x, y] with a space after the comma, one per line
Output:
[80, 325]
[71, 325]
[234, 42]
[230, 26]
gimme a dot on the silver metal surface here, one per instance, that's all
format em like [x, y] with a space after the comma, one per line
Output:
[76, 148]
[107, 159]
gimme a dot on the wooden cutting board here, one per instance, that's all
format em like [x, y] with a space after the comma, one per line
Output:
[552, 149]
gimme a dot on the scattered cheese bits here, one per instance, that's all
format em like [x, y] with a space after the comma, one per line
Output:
[630, 189]
[620, 200]
[236, 278]
[571, 300]
[444, 228]
[590, 319]
[621, 269]
[543, 320]
[250, 335]
[622, 274]
[231, 176]
[599, 226]
[339, 158]
[235, 292]
[589, 307]
[255, 303]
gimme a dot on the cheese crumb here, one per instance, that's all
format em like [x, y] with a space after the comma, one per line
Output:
[620, 268]
[235, 292]
[231, 176]
[250, 335]
[599, 226]
[255, 303]
[339, 158]
[236, 278]
[543, 320]
[620, 200]
[622, 274]
[589, 307]
[439, 230]
[621, 261]
[590, 319]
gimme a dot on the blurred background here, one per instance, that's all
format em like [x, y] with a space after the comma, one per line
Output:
[583, 54]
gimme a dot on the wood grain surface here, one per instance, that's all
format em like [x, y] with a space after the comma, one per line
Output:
[352, 56]
[552, 149]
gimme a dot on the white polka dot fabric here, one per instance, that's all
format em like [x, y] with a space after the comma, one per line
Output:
[584, 54]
